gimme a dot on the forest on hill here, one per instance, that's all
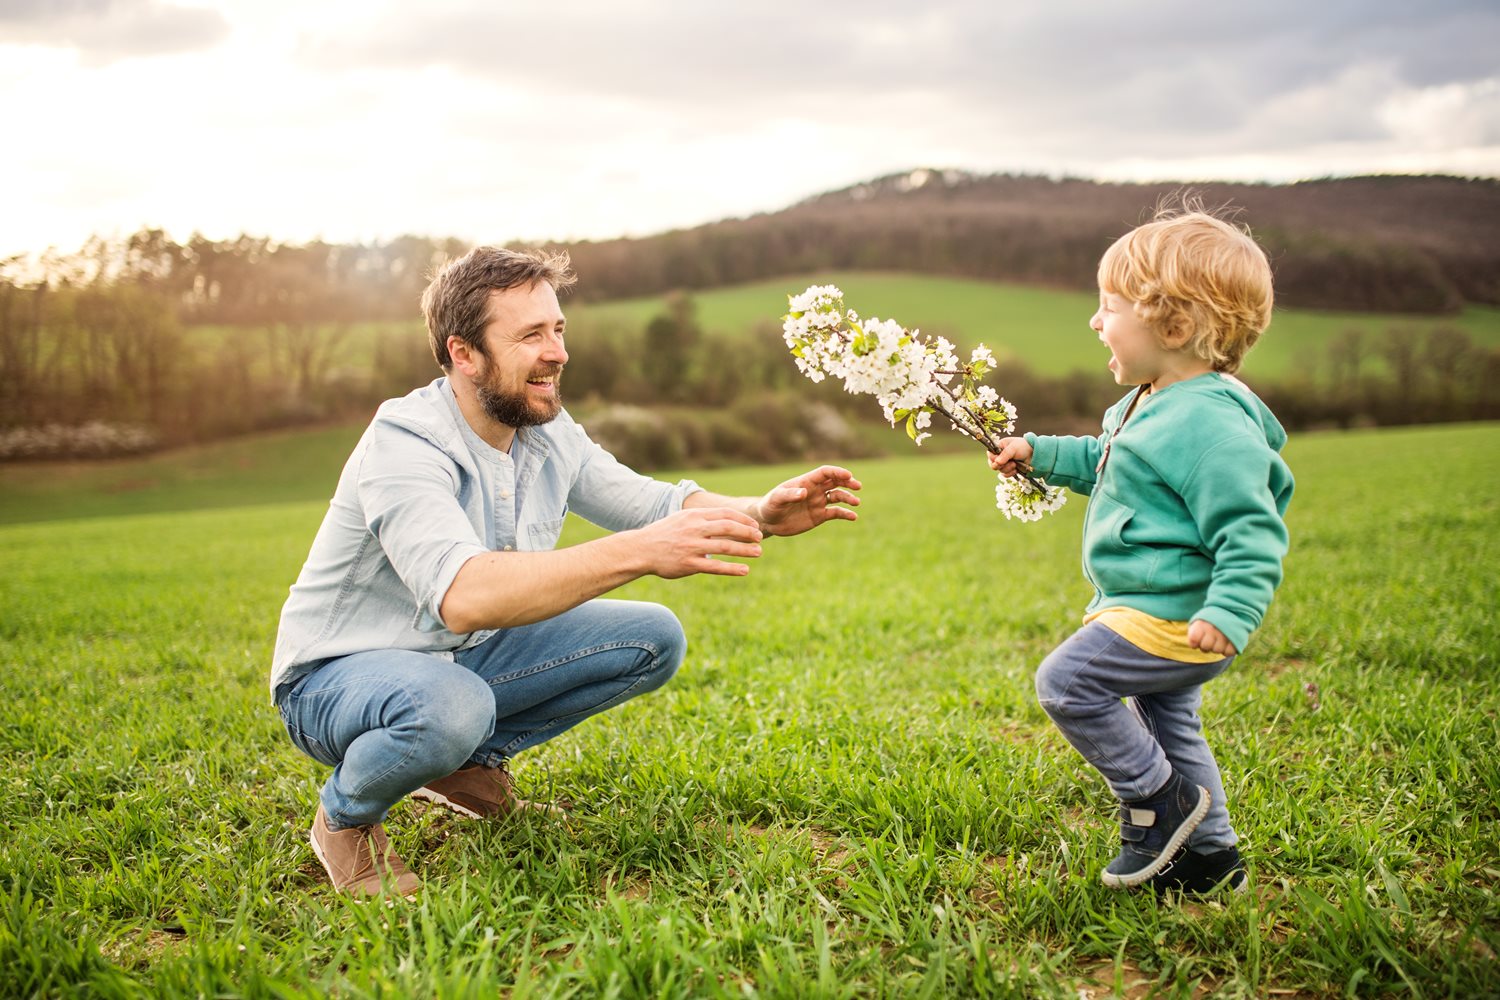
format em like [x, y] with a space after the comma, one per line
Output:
[1382, 244]
[131, 344]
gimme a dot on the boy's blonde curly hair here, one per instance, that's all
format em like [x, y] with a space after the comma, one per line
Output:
[1190, 271]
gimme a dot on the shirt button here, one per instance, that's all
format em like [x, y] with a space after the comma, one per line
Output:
[507, 548]
[505, 494]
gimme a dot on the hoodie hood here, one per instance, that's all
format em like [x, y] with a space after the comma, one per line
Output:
[1219, 387]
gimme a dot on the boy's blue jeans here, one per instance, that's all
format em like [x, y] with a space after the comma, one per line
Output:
[1136, 744]
[389, 721]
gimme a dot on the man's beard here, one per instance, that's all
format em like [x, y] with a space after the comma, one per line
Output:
[516, 409]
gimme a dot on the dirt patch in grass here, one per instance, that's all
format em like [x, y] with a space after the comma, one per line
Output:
[1018, 733]
[828, 846]
[634, 885]
[1126, 981]
[138, 949]
[986, 891]
[1275, 668]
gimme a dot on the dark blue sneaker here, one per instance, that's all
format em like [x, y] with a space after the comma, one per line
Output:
[1194, 874]
[1153, 830]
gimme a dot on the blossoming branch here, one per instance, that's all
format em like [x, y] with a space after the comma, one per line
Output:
[911, 377]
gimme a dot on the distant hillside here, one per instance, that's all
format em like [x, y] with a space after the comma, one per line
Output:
[1387, 243]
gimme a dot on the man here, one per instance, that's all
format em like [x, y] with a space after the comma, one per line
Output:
[434, 631]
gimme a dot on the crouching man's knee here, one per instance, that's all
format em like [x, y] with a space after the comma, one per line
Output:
[457, 716]
[659, 631]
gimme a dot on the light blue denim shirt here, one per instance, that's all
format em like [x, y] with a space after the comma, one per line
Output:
[421, 495]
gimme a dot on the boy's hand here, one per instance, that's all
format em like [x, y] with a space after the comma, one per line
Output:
[1013, 452]
[1202, 635]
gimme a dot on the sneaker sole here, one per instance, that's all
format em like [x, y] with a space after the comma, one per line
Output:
[1225, 883]
[438, 798]
[322, 860]
[1168, 854]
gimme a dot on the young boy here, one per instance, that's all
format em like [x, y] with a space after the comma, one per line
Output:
[1183, 539]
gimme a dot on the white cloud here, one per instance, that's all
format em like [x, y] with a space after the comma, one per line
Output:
[353, 120]
[1451, 116]
[103, 31]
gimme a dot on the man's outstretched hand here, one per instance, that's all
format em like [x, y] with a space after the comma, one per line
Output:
[811, 499]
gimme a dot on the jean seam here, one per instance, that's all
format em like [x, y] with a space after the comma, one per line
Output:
[410, 752]
[1085, 734]
[575, 655]
[603, 706]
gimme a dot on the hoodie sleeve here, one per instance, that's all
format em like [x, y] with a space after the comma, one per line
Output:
[1074, 461]
[1230, 495]
[1067, 461]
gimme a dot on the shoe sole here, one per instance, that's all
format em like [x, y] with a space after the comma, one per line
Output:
[1224, 884]
[322, 859]
[438, 798]
[1168, 854]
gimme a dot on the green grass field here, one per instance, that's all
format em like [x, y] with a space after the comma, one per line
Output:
[847, 791]
[1045, 328]
[264, 468]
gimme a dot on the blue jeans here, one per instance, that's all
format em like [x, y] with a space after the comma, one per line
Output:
[389, 721]
[1136, 744]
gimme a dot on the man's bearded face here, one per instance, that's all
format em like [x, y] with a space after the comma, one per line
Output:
[528, 402]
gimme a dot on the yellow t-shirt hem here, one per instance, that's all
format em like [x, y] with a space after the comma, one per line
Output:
[1156, 636]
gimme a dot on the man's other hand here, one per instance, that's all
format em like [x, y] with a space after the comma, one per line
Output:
[809, 500]
[685, 543]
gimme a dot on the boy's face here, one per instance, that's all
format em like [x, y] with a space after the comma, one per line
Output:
[1137, 355]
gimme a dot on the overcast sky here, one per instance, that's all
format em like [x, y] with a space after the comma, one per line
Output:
[493, 120]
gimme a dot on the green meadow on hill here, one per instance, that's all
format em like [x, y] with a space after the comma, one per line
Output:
[847, 791]
[1045, 328]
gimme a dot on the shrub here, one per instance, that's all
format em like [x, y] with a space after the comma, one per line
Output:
[96, 439]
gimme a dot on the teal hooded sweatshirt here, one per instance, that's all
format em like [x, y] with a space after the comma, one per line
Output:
[1186, 503]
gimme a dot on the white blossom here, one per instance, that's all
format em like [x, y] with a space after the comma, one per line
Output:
[911, 378]
[1019, 499]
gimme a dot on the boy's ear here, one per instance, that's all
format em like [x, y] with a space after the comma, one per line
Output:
[1176, 334]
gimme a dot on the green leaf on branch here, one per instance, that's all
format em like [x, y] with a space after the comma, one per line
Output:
[911, 426]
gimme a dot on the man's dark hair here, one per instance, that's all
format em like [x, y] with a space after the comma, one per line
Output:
[457, 301]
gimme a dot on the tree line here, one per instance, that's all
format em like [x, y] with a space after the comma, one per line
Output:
[142, 342]
[1380, 244]
[110, 368]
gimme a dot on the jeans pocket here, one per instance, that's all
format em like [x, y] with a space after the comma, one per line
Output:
[300, 739]
[310, 746]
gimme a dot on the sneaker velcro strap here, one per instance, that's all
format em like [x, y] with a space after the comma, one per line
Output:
[1131, 834]
[1138, 817]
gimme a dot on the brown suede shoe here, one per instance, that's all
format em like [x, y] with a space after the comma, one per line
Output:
[360, 860]
[480, 792]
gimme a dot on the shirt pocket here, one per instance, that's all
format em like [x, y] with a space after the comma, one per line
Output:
[542, 535]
